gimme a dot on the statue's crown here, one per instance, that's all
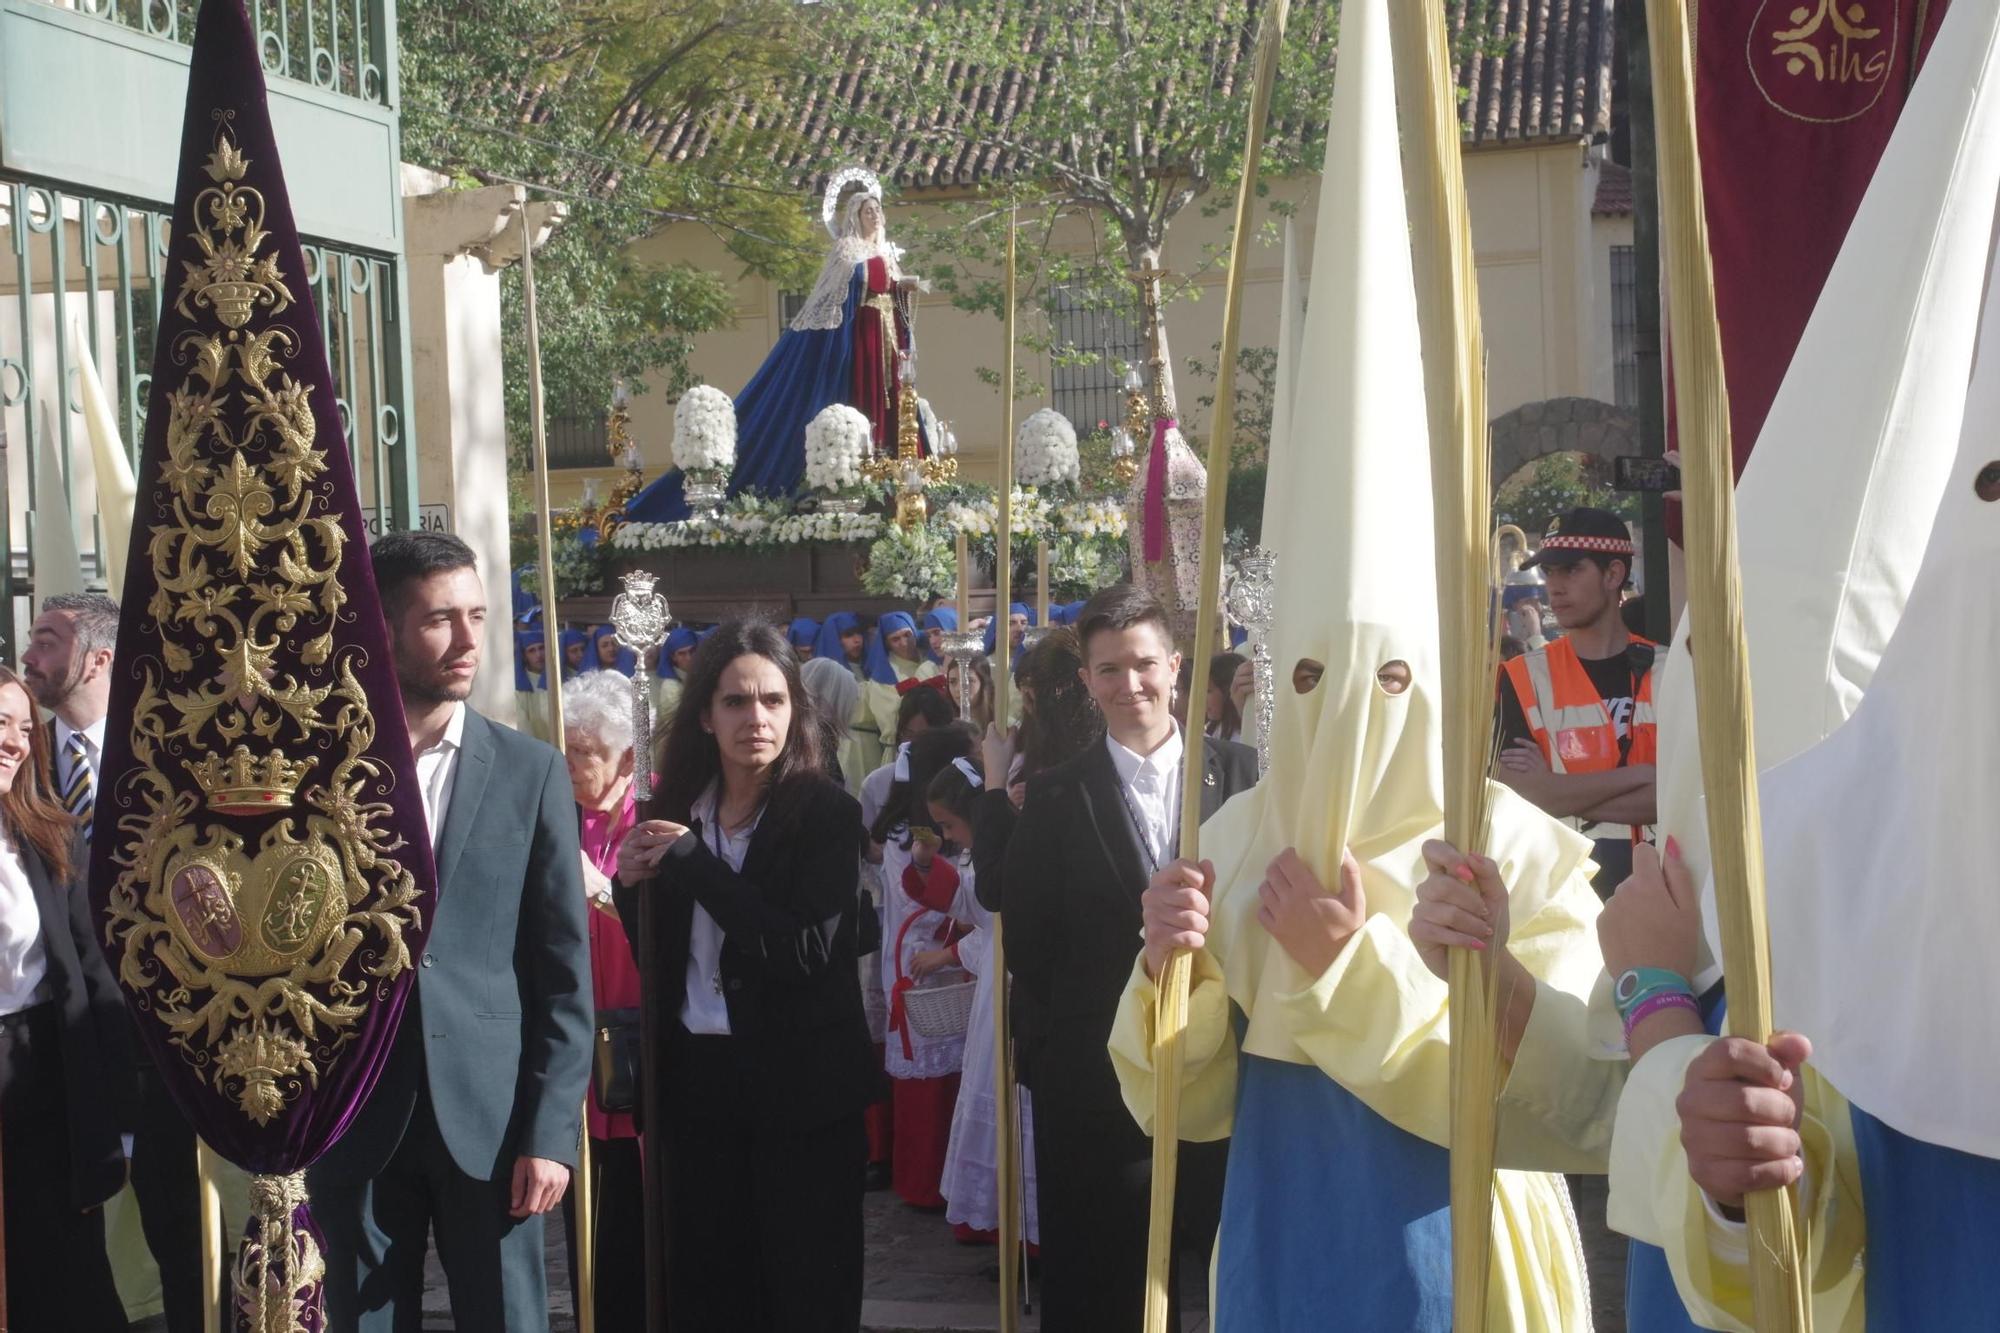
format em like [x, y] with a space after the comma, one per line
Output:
[248, 784]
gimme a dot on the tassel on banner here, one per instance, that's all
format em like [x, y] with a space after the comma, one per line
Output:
[281, 1264]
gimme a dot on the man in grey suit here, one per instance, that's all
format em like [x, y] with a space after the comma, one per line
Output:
[474, 1126]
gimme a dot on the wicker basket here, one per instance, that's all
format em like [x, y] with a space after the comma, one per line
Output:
[940, 1011]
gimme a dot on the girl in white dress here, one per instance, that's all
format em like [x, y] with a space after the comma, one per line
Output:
[971, 1184]
[927, 906]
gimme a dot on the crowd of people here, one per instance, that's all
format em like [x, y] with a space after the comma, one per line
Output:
[800, 920]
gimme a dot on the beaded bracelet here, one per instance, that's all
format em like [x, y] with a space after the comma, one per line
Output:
[1672, 999]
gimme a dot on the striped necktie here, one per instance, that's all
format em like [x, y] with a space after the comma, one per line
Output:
[79, 794]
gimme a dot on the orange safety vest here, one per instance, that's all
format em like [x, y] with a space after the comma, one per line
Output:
[1573, 724]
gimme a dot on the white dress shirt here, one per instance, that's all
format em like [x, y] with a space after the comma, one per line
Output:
[437, 768]
[22, 961]
[93, 751]
[704, 1012]
[1152, 786]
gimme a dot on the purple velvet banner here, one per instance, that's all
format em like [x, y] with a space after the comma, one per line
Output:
[260, 865]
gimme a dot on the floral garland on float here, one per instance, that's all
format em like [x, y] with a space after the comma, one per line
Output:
[1086, 533]
[751, 521]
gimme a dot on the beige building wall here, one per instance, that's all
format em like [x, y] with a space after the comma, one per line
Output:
[1544, 271]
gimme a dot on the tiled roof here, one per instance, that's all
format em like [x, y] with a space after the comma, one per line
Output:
[1543, 71]
[1551, 78]
[1614, 191]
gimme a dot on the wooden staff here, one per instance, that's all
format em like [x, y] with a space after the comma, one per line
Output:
[585, 1276]
[1715, 610]
[211, 1236]
[1455, 393]
[1007, 1142]
[1170, 1018]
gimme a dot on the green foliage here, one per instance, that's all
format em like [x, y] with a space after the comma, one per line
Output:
[1556, 484]
[1256, 402]
[567, 96]
[1243, 507]
[911, 564]
[1137, 115]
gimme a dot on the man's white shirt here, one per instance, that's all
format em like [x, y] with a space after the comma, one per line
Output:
[1152, 786]
[437, 770]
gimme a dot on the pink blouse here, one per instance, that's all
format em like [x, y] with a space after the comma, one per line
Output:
[613, 974]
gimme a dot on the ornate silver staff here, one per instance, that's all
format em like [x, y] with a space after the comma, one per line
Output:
[1252, 596]
[639, 618]
[961, 646]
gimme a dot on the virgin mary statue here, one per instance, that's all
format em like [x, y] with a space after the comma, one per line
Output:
[842, 347]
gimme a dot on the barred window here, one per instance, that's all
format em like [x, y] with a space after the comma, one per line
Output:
[1096, 334]
[579, 442]
[789, 305]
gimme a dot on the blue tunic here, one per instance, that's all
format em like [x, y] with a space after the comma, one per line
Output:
[1314, 1174]
[1933, 1232]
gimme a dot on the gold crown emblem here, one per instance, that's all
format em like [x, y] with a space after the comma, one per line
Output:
[248, 784]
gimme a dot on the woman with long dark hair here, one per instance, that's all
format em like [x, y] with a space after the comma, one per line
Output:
[747, 860]
[66, 1072]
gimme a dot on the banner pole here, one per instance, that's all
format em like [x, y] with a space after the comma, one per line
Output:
[585, 1276]
[211, 1236]
[1007, 1147]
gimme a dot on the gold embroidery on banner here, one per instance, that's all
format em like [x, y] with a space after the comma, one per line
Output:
[243, 955]
[1823, 61]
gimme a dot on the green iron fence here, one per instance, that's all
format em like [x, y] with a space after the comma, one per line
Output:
[85, 271]
[334, 45]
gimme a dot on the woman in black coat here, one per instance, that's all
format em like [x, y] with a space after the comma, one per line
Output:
[66, 1080]
[742, 880]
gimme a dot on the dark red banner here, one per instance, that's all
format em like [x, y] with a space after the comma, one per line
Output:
[1795, 101]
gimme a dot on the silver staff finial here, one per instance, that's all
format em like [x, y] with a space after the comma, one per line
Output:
[639, 618]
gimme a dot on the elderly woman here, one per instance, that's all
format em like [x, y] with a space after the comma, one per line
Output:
[597, 742]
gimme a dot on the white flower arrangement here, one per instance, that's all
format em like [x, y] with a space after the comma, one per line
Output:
[704, 430]
[837, 443]
[748, 522]
[1045, 450]
[1091, 518]
[910, 564]
[1080, 566]
[981, 518]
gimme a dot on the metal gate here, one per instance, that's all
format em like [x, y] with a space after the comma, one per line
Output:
[83, 272]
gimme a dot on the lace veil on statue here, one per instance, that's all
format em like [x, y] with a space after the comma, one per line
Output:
[826, 307]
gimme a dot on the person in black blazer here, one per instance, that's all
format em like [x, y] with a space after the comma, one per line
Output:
[741, 883]
[1090, 834]
[66, 1075]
